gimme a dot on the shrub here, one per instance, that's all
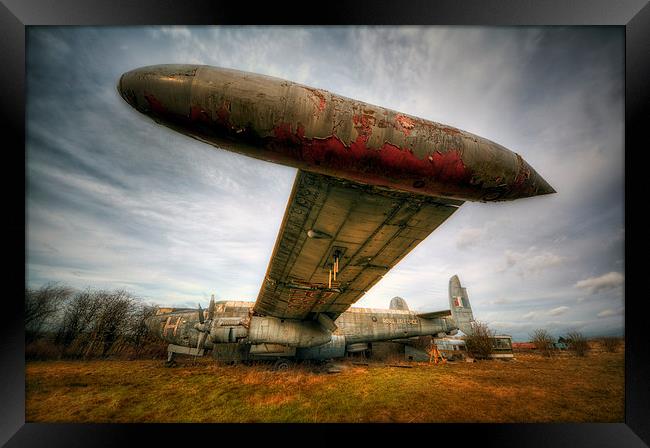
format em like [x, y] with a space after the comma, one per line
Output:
[578, 343]
[42, 307]
[479, 343]
[610, 344]
[543, 341]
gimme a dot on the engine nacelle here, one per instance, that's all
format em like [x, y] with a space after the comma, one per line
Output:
[292, 333]
[228, 329]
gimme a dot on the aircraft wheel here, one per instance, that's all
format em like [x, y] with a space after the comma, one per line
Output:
[281, 365]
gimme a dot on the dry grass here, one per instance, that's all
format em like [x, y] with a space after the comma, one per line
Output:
[529, 389]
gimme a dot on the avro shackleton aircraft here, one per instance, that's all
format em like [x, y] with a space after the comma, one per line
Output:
[372, 183]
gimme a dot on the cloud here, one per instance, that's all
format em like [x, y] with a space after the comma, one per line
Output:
[609, 312]
[529, 315]
[558, 311]
[532, 261]
[469, 237]
[605, 282]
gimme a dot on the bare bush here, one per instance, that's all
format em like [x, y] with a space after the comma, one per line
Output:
[578, 343]
[42, 306]
[610, 344]
[87, 324]
[138, 335]
[79, 317]
[479, 343]
[543, 341]
[111, 323]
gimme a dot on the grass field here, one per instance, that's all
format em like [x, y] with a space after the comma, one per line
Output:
[528, 389]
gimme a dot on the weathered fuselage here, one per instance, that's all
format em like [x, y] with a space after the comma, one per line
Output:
[268, 336]
[318, 131]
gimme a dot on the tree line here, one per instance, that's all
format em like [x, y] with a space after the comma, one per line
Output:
[61, 322]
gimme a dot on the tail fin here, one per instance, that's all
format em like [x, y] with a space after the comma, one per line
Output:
[461, 310]
[397, 303]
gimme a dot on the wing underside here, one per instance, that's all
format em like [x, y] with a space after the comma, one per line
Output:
[367, 229]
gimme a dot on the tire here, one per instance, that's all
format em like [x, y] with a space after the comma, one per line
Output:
[281, 365]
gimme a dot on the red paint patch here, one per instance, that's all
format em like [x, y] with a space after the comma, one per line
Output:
[363, 123]
[375, 165]
[155, 105]
[198, 114]
[449, 165]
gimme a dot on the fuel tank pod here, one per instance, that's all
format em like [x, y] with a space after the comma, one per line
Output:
[315, 130]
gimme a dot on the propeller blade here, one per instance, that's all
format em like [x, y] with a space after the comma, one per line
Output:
[200, 314]
[211, 308]
[201, 342]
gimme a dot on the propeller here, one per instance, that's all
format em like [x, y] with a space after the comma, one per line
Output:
[204, 325]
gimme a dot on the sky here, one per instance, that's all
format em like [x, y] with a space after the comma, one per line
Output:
[114, 200]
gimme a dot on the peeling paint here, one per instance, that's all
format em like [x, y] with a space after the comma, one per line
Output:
[319, 99]
[523, 174]
[450, 130]
[405, 124]
[388, 160]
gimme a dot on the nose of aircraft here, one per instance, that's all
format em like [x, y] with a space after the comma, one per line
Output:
[153, 324]
[543, 187]
[529, 183]
[158, 90]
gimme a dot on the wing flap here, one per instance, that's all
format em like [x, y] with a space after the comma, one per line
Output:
[366, 228]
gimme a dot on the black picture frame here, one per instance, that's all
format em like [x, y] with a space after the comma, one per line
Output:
[16, 15]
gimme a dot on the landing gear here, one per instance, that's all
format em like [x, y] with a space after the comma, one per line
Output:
[282, 365]
[172, 350]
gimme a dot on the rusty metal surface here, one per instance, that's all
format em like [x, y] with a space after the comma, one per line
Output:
[318, 131]
[371, 228]
[357, 325]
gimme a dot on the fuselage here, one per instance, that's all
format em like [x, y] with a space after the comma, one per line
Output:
[234, 323]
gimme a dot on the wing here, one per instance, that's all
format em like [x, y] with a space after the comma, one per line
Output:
[435, 314]
[370, 230]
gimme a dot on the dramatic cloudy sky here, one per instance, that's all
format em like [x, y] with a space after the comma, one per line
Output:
[115, 201]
